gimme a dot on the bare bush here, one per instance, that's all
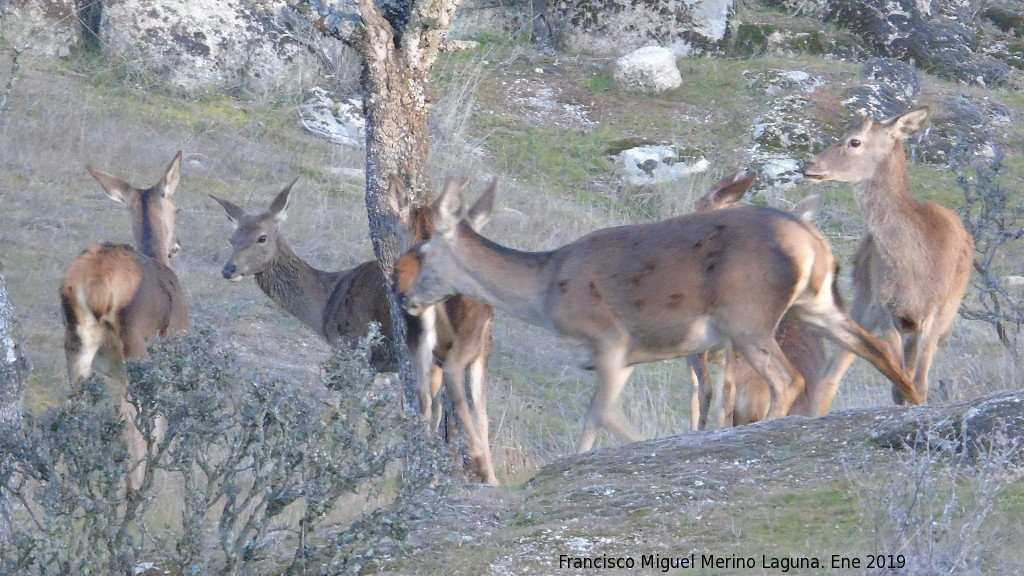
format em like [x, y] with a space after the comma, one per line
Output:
[248, 479]
[930, 508]
[996, 222]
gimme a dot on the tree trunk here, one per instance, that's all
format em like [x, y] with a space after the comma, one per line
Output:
[90, 14]
[399, 45]
[14, 368]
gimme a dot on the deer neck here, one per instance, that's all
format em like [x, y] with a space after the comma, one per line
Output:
[150, 240]
[509, 279]
[296, 286]
[890, 213]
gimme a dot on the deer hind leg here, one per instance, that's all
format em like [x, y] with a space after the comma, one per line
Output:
[784, 382]
[604, 410]
[866, 315]
[848, 334]
[918, 354]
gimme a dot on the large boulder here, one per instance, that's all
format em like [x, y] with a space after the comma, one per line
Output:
[44, 28]
[937, 35]
[195, 43]
[891, 88]
[648, 69]
[239, 44]
[609, 27]
[784, 135]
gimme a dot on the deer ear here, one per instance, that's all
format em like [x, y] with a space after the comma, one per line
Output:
[808, 208]
[169, 183]
[235, 213]
[115, 188]
[398, 196]
[731, 189]
[480, 213]
[449, 207]
[279, 207]
[908, 124]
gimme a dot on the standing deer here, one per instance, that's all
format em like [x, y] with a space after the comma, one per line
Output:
[115, 299]
[634, 294]
[912, 267]
[744, 397]
[450, 341]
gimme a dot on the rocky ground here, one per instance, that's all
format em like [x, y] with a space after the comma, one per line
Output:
[788, 490]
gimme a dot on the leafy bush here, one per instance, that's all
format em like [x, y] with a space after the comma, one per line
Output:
[248, 478]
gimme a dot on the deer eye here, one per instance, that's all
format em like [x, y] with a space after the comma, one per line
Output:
[262, 239]
[854, 143]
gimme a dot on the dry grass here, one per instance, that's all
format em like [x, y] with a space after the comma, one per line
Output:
[58, 120]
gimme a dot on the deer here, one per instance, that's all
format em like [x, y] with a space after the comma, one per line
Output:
[744, 397]
[645, 292]
[912, 267]
[450, 342]
[116, 299]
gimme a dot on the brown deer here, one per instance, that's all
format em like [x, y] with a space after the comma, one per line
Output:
[634, 294]
[115, 299]
[913, 264]
[338, 306]
[744, 397]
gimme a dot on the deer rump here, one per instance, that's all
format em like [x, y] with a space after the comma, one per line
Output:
[121, 300]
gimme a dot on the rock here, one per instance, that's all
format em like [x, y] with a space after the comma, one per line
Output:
[891, 90]
[962, 130]
[45, 28]
[649, 69]
[338, 120]
[192, 44]
[938, 36]
[782, 137]
[607, 27]
[656, 164]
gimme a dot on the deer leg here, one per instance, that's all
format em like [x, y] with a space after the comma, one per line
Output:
[80, 363]
[716, 395]
[728, 391]
[436, 405]
[137, 449]
[920, 351]
[848, 334]
[423, 357]
[477, 385]
[784, 382]
[604, 410]
[455, 377]
[865, 314]
[700, 400]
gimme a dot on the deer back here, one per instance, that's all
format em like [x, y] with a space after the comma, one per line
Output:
[660, 279]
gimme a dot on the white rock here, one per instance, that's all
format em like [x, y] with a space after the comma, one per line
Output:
[648, 69]
[655, 165]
